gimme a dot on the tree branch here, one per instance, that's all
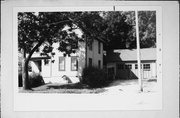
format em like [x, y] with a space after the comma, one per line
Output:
[34, 49]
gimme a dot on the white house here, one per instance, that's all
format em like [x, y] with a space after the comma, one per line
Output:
[122, 63]
[55, 67]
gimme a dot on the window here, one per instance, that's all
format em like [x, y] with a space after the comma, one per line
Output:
[61, 63]
[99, 47]
[74, 64]
[90, 62]
[146, 67]
[99, 64]
[128, 66]
[90, 46]
[120, 66]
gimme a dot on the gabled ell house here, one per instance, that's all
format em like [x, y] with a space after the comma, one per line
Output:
[55, 67]
[122, 63]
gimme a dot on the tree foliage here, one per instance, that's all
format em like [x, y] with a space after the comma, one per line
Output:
[147, 28]
[117, 31]
[42, 29]
[124, 23]
[116, 27]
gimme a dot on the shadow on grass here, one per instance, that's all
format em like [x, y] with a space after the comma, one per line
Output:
[68, 86]
[122, 82]
[84, 86]
[74, 88]
[127, 82]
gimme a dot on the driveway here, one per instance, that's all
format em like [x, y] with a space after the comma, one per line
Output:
[127, 93]
[130, 86]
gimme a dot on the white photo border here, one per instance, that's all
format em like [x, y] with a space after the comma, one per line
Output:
[81, 102]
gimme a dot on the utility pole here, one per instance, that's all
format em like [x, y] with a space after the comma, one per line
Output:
[138, 52]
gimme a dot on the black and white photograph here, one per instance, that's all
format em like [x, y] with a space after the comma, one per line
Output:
[110, 52]
[86, 52]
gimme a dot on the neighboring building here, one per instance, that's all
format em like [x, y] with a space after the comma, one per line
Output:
[54, 68]
[122, 63]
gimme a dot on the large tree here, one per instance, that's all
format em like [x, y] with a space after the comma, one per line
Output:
[118, 28]
[42, 29]
[147, 28]
[117, 31]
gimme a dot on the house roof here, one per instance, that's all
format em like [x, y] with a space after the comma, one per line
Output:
[131, 54]
[38, 56]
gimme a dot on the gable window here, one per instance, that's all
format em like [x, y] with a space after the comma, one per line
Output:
[99, 64]
[74, 63]
[61, 63]
[90, 62]
[99, 47]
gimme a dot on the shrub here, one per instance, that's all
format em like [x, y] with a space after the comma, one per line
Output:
[35, 80]
[94, 77]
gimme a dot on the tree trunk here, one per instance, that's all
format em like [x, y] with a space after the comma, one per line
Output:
[26, 83]
[25, 75]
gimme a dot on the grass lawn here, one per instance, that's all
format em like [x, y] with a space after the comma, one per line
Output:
[76, 88]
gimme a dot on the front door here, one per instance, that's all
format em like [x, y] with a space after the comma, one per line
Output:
[111, 73]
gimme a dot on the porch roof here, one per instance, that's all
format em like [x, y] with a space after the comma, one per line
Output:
[39, 58]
